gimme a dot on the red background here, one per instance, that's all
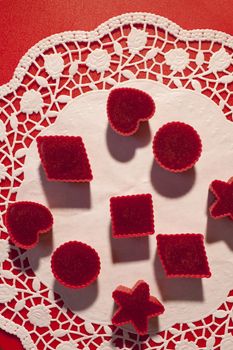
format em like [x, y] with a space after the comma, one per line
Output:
[24, 22]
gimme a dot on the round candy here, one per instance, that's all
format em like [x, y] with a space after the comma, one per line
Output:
[75, 264]
[177, 146]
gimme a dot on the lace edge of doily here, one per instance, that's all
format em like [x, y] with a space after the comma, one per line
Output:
[103, 29]
[70, 36]
[20, 332]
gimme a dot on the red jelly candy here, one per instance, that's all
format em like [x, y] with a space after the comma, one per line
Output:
[132, 216]
[177, 146]
[183, 255]
[64, 158]
[136, 306]
[127, 107]
[75, 264]
[25, 221]
[223, 204]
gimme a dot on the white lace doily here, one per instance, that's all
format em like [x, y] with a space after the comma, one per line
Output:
[49, 77]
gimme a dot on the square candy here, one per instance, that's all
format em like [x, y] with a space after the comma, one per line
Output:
[132, 216]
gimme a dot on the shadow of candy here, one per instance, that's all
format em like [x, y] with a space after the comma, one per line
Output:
[44, 248]
[172, 185]
[189, 289]
[66, 194]
[123, 148]
[77, 299]
[128, 249]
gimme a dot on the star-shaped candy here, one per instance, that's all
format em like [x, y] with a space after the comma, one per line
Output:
[223, 205]
[136, 306]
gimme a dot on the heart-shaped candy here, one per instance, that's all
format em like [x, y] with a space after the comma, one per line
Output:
[25, 221]
[127, 107]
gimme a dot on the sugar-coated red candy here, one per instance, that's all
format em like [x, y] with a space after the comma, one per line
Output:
[183, 255]
[75, 264]
[223, 204]
[64, 158]
[127, 107]
[135, 306]
[132, 216]
[25, 221]
[177, 146]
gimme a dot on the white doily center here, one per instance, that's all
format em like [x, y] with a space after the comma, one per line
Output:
[125, 166]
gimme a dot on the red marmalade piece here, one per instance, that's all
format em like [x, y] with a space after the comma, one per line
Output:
[64, 158]
[177, 146]
[25, 221]
[127, 107]
[132, 216]
[75, 264]
[223, 204]
[136, 306]
[183, 255]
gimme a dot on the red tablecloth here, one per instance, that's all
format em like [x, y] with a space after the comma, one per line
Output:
[23, 23]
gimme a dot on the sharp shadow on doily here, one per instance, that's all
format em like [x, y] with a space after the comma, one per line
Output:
[172, 185]
[66, 194]
[123, 148]
[44, 248]
[218, 229]
[77, 299]
[128, 249]
[184, 289]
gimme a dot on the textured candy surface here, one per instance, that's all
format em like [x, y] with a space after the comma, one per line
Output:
[25, 221]
[75, 264]
[132, 216]
[177, 146]
[135, 306]
[223, 204]
[64, 158]
[183, 255]
[127, 107]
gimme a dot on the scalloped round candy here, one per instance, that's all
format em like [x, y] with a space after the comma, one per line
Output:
[127, 107]
[177, 146]
[75, 264]
[25, 221]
